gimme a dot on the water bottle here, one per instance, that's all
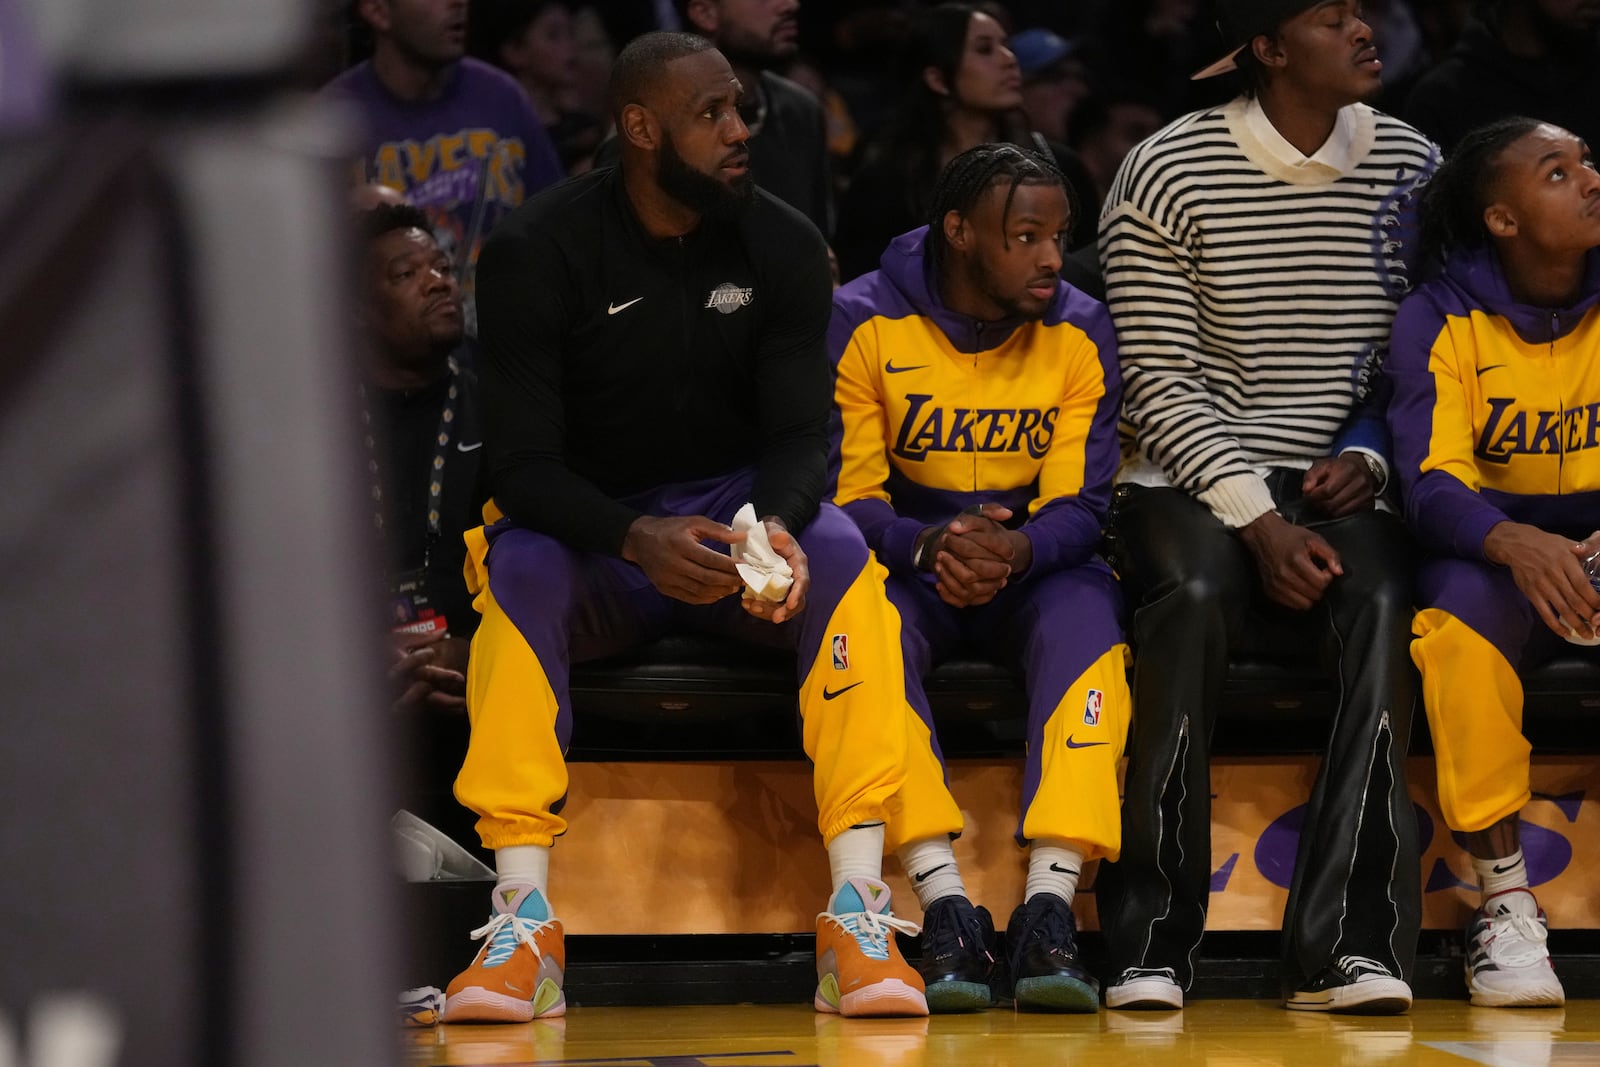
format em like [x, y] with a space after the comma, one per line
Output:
[1591, 567]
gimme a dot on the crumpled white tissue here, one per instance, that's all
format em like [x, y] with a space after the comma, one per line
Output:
[765, 573]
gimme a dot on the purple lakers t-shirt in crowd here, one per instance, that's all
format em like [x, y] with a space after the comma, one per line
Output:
[466, 158]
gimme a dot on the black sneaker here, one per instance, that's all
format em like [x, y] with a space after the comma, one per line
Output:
[1042, 950]
[1353, 985]
[958, 956]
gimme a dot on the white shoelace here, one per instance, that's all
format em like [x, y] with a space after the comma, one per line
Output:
[1374, 969]
[871, 930]
[1524, 949]
[503, 942]
[1133, 974]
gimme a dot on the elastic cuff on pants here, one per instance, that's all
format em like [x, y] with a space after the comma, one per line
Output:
[864, 812]
[494, 838]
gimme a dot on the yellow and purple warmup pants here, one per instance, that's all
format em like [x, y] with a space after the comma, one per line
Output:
[1064, 633]
[545, 606]
[1475, 631]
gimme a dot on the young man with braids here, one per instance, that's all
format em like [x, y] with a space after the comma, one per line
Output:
[1496, 422]
[1254, 258]
[654, 357]
[975, 442]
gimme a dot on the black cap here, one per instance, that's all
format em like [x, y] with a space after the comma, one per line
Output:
[1242, 21]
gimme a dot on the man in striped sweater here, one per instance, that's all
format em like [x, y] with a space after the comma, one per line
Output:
[1254, 257]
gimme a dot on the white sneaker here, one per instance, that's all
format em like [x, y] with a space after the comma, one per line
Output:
[1508, 965]
[1357, 985]
[1146, 989]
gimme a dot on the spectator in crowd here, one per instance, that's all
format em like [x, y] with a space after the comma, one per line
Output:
[788, 132]
[533, 41]
[453, 134]
[963, 88]
[1106, 128]
[982, 486]
[1539, 58]
[1401, 46]
[1053, 81]
[1254, 258]
[839, 122]
[1155, 44]
[654, 356]
[1496, 423]
[596, 51]
[422, 437]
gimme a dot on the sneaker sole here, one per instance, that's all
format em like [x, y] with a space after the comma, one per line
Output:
[1384, 996]
[949, 997]
[1145, 996]
[888, 997]
[1057, 993]
[479, 1005]
[1517, 998]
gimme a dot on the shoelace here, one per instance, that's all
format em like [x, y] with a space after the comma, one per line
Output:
[871, 930]
[1135, 973]
[505, 932]
[1522, 951]
[945, 931]
[1052, 922]
[1351, 965]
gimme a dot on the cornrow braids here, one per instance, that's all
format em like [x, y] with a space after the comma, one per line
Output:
[971, 174]
[1454, 199]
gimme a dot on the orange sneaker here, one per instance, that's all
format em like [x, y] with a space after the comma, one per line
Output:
[859, 968]
[517, 974]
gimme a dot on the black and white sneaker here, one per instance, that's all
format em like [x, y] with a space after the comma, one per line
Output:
[1353, 985]
[1145, 989]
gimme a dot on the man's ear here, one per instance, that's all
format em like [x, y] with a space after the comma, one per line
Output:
[703, 16]
[638, 126]
[1499, 221]
[375, 13]
[1268, 51]
[934, 79]
[956, 233]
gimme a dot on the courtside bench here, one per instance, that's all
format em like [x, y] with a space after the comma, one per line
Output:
[707, 702]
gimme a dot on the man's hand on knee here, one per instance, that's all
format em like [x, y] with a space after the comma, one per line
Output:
[1548, 568]
[1295, 563]
[672, 555]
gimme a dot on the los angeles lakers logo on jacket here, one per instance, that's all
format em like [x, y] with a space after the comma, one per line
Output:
[728, 298]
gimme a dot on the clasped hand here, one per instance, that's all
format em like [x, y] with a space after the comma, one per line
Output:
[973, 555]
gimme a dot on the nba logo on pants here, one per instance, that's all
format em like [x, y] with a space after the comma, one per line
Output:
[1091, 708]
[841, 654]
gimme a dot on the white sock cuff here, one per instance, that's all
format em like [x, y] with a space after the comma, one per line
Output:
[1498, 875]
[1053, 867]
[856, 853]
[930, 866]
[524, 863]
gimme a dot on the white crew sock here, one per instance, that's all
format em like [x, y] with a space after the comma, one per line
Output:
[930, 867]
[524, 865]
[1053, 867]
[1498, 875]
[856, 853]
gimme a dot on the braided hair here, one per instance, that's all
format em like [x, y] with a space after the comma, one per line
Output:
[1454, 199]
[971, 174]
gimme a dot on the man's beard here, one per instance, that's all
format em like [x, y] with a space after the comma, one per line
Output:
[701, 192]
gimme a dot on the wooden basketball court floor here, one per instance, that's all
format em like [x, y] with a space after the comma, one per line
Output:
[1213, 1033]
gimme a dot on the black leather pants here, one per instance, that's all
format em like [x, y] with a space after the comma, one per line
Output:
[1193, 587]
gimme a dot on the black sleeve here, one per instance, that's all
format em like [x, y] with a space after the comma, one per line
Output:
[523, 297]
[794, 381]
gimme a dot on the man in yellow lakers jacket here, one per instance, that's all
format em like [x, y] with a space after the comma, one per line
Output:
[977, 399]
[1496, 423]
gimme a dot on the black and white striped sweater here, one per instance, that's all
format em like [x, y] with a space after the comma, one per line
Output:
[1252, 290]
